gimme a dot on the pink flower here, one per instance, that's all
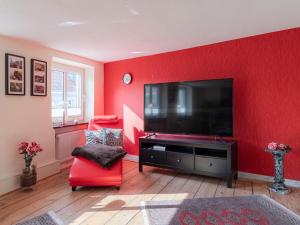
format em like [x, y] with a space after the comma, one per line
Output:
[38, 148]
[273, 145]
[32, 149]
[34, 144]
[277, 146]
[283, 147]
[23, 147]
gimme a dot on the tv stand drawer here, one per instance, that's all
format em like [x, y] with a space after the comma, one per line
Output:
[180, 160]
[153, 156]
[210, 164]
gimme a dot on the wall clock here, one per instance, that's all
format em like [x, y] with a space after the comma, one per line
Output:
[127, 78]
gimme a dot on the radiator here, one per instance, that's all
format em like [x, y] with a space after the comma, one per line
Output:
[66, 142]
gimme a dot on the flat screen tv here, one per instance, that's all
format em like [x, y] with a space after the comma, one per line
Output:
[193, 107]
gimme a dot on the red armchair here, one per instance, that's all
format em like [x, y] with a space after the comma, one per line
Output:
[84, 172]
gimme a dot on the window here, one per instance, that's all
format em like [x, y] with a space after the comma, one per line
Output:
[152, 101]
[184, 101]
[67, 94]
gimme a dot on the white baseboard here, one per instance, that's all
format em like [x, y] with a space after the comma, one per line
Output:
[134, 158]
[253, 176]
[11, 183]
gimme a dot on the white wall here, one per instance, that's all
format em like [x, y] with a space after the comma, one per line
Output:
[28, 118]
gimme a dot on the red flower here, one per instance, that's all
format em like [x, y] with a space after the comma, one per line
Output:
[23, 147]
[34, 144]
[273, 145]
[38, 148]
[32, 149]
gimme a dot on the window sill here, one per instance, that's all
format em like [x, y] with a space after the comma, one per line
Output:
[70, 127]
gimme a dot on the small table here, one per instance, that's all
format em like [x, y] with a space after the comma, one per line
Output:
[278, 185]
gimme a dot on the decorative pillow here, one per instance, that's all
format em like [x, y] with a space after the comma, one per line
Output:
[95, 136]
[113, 137]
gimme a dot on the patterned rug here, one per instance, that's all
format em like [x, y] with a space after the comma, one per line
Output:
[48, 218]
[246, 210]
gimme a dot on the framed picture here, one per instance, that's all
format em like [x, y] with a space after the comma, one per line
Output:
[14, 74]
[38, 78]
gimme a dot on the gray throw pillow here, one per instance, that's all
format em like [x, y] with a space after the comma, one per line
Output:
[95, 136]
[113, 137]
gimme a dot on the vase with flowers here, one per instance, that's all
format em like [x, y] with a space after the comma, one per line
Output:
[29, 150]
[278, 151]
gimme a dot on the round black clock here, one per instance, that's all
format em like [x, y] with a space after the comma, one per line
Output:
[127, 78]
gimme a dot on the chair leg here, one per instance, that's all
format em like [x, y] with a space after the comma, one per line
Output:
[73, 188]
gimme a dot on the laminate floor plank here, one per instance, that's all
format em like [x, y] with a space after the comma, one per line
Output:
[128, 211]
[223, 190]
[260, 188]
[208, 188]
[243, 188]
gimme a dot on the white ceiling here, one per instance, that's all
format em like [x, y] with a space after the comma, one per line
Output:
[108, 30]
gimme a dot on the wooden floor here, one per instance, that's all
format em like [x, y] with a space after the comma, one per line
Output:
[110, 206]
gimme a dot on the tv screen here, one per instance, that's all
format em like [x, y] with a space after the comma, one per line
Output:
[193, 107]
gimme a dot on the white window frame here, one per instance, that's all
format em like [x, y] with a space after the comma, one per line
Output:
[71, 69]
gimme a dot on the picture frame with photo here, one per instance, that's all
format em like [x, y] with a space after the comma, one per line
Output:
[14, 74]
[38, 78]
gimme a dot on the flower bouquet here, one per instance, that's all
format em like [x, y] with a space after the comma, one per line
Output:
[29, 150]
[274, 146]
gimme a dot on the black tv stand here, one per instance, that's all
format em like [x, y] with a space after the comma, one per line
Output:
[217, 158]
[220, 139]
[150, 135]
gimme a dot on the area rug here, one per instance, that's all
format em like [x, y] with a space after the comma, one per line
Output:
[246, 210]
[48, 218]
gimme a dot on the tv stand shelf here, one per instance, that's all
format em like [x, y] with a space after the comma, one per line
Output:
[197, 156]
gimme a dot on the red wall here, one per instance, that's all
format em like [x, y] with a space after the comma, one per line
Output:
[266, 72]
